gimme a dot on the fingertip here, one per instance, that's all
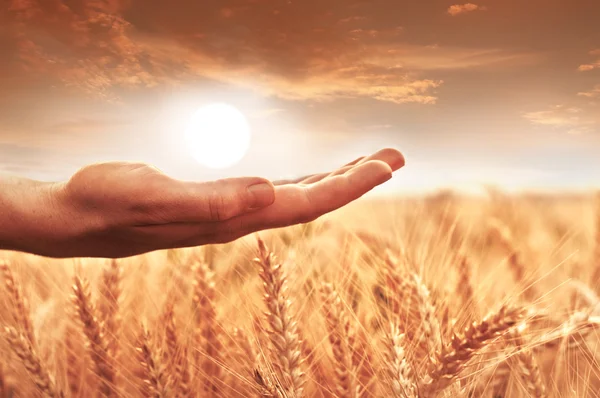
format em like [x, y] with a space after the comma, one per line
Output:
[383, 170]
[401, 161]
[377, 171]
[393, 158]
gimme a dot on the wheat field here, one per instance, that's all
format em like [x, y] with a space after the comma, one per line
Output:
[437, 296]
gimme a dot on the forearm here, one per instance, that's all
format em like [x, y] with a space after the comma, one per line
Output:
[28, 214]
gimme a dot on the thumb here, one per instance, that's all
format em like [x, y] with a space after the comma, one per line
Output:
[219, 200]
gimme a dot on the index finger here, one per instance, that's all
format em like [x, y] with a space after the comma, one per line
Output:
[296, 204]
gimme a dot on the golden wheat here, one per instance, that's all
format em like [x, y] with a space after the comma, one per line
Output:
[376, 301]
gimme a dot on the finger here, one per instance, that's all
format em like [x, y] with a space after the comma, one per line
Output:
[391, 156]
[300, 204]
[292, 180]
[179, 201]
[319, 177]
[355, 161]
[313, 177]
[388, 155]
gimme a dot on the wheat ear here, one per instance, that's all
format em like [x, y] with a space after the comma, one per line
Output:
[96, 340]
[74, 362]
[22, 348]
[108, 306]
[207, 333]
[283, 331]
[341, 338]
[266, 387]
[398, 373]
[595, 277]
[465, 282]
[152, 377]
[455, 356]
[430, 335]
[527, 366]
[20, 307]
[179, 364]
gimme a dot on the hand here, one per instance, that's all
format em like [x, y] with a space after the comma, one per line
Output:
[124, 209]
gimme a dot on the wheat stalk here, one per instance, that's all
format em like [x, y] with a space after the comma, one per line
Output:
[178, 360]
[398, 374]
[595, 277]
[529, 370]
[465, 283]
[283, 331]
[455, 356]
[22, 348]
[152, 377]
[267, 388]
[96, 341]
[108, 306]
[362, 359]
[207, 334]
[74, 361]
[341, 336]
[243, 361]
[3, 391]
[429, 331]
[515, 258]
[20, 308]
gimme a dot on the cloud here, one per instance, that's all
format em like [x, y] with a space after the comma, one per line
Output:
[379, 126]
[85, 125]
[302, 52]
[458, 9]
[354, 18]
[435, 58]
[593, 93]
[593, 65]
[85, 45]
[573, 119]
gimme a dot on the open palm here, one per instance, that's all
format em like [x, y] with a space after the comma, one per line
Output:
[123, 209]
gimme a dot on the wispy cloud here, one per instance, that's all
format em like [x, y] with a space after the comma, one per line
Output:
[352, 19]
[93, 48]
[458, 9]
[593, 65]
[87, 45]
[593, 93]
[573, 120]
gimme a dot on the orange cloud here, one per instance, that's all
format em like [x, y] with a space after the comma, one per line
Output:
[593, 65]
[593, 93]
[87, 47]
[91, 47]
[101, 47]
[352, 19]
[458, 9]
[573, 119]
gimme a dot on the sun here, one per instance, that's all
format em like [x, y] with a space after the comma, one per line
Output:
[218, 135]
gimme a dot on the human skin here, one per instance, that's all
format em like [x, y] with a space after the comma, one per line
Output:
[122, 209]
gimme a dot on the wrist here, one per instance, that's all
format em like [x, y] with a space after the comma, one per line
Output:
[30, 216]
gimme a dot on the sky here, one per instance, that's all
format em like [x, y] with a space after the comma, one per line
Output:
[499, 92]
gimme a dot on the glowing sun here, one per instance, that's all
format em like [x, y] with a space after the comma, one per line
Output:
[218, 135]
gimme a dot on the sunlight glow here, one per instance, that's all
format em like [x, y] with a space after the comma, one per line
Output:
[218, 135]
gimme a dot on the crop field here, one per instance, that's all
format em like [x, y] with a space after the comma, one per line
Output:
[437, 296]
